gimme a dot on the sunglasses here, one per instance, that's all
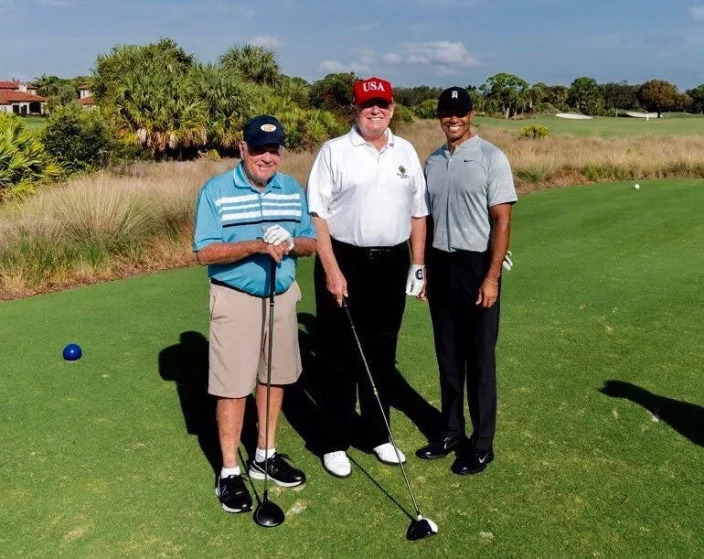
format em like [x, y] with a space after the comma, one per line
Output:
[446, 113]
[381, 103]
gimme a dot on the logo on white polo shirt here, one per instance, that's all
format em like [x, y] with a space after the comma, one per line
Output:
[402, 172]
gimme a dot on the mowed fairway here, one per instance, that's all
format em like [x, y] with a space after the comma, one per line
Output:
[670, 125]
[97, 459]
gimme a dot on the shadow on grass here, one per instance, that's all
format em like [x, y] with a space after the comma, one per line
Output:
[186, 364]
[685, 418]
[301, 403]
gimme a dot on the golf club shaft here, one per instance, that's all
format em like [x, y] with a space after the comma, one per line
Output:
[272, 293]
[381, 406]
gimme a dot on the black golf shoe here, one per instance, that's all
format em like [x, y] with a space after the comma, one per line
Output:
[280, 471]
[471, 461]
[233, 494]
[438, 449]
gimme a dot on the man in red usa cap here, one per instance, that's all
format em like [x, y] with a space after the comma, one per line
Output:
[366, 192]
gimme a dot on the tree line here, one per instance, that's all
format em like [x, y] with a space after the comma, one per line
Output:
[157, 101]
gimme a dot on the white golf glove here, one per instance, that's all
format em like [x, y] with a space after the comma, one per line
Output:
[275, 235]
[508, 263]
[416, 280]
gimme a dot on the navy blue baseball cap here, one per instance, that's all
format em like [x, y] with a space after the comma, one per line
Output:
[264, 130]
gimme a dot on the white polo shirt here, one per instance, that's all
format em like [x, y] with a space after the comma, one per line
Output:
[367, 196]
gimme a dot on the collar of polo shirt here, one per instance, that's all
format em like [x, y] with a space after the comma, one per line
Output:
[357, 140]
[241, 180]
[467, 144]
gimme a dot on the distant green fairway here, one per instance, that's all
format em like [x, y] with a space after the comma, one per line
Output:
[608, 284]
[34, 122]
[606, 126]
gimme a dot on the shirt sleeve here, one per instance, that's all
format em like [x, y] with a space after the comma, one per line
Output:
[305, 227]
[208, 226]
[420, 195]
[500, 181]
[320, 183]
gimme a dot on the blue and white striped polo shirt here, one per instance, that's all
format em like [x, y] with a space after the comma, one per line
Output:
[230, 210]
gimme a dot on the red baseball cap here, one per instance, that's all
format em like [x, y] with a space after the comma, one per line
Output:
[372, 88]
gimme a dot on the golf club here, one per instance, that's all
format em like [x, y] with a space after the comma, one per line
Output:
[268, 514]
[420, 527]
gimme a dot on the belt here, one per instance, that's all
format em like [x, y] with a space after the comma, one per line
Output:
[214, 281]
[377, 251]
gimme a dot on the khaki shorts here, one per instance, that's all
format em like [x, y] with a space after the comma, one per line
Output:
[239, 337]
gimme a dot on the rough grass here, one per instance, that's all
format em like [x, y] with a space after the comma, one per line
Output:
[101, 457]
[140, 219]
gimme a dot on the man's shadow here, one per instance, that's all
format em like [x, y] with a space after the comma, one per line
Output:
[685, 418]
[303, 400]
[186, 364]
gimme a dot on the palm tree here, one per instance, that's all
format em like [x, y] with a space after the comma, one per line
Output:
[254, 64]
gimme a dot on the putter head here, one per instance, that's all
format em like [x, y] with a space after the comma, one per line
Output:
[268, 514]
[421, 528]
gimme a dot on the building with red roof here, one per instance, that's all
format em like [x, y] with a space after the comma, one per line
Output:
[21, 98]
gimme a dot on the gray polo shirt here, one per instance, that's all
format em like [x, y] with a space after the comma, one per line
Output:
[462, 186]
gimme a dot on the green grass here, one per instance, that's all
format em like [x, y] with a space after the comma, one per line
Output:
[34, 122]
[605, 126]
[608, 284]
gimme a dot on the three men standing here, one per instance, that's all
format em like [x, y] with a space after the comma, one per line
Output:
[244, 219]
[367, 194]
[471, 193]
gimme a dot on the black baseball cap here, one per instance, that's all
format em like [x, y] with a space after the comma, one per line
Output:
[455, 101]
[264, 130]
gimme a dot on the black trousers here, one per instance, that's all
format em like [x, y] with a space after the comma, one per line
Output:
[465, 342]
[376, 280]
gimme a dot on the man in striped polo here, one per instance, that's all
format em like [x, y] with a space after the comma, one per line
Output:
[244, 219]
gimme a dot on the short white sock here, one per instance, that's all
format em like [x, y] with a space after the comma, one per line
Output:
[259, 456]
[227, 472]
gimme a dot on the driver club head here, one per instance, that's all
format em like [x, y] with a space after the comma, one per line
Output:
[421, 528]
[268, 514]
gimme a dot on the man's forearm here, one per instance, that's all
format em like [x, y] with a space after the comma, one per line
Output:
[324, 245]
[303, 246]
[418, 232]
[500, 235]
[229, 253]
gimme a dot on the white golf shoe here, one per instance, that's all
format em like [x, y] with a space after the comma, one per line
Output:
[386, 454]
[337, 463]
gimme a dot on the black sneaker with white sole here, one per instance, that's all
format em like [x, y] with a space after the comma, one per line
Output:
[280, 471]
[233, 494]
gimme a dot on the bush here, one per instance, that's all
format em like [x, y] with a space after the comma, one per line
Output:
[77, 139]
[427, 109]
[24, 162]
[534, 132]
[402, 115]
[545, 108]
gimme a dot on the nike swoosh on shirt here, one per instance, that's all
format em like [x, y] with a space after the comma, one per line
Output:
[482, 460]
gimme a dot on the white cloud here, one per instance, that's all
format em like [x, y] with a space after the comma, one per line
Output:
[445, 56]
[266, 41]
[697, 12]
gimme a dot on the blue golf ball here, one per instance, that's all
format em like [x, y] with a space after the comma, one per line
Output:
[72, 352]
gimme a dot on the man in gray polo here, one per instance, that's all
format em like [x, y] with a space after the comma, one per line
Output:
[471, 194]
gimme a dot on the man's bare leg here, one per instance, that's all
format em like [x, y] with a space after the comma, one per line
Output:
[276, 397]
[230, 417]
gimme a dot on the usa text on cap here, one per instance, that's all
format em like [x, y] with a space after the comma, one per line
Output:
[372, 88]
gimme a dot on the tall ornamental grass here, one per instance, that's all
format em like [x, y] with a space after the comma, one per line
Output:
[140, 218]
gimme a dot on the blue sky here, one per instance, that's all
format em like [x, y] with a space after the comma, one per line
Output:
[410, 42]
